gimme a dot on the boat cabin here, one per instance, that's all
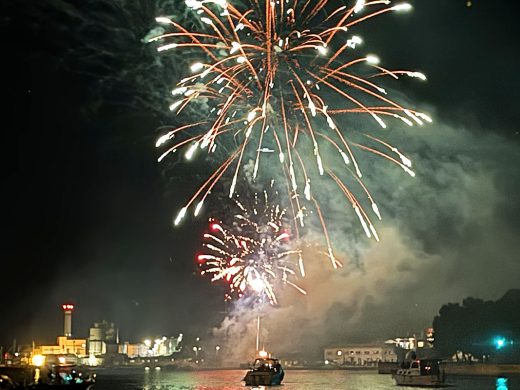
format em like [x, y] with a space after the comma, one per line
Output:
[422, 367]
[423, 373]
[266, 364]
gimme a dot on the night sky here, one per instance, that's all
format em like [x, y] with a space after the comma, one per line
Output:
[87, 211]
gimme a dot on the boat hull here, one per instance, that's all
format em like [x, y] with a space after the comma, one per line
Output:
[77, 386]
[256, 378]
[4, 384]
[432, 381]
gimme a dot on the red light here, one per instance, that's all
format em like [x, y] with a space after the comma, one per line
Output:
[67, 307]
[214, 226]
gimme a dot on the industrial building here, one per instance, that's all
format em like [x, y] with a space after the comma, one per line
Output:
[359, 355]
[102, 345]
[103, 338]
[164, 346]
[66, 345]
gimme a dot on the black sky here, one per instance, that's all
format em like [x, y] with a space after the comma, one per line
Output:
[87, 211]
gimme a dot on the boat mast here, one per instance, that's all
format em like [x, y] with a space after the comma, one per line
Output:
[257, 334]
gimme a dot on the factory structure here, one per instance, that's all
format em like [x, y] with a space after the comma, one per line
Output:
[65, 343]
[102, 346]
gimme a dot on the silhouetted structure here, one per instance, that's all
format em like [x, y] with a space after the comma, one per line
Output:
[480, 330]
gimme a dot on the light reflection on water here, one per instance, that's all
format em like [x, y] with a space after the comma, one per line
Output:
[132, 379]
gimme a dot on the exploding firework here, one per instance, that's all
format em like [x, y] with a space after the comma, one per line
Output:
[273, 78]
[253, 254]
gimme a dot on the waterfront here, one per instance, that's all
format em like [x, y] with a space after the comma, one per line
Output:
[294, 380]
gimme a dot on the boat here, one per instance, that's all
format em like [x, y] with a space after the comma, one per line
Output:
[66, 378]
[264, 372]
[421, 373]
[54, 379]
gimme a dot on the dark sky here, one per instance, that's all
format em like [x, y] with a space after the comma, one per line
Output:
[87, 211]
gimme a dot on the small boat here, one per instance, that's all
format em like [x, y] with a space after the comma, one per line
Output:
[55, 380]
[265, 372]
[70, 386]
[421, 373]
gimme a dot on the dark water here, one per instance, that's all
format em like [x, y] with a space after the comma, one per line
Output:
[294, 380]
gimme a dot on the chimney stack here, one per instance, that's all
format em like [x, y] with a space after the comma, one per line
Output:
[67, 320]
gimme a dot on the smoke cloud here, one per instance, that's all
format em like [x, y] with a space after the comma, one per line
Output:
[446, 234]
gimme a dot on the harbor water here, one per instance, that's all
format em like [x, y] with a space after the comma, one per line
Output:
[125, 379]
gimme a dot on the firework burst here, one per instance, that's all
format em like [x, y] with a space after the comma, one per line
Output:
[253, 254]
[274, 76]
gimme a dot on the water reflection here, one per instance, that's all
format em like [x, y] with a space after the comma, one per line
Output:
[165, 379]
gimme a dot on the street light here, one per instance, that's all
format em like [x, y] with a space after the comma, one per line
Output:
[217, 348]
[38, 360]
[500, 342]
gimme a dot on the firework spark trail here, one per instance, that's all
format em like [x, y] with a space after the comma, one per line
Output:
[253, 255]
[272, 71]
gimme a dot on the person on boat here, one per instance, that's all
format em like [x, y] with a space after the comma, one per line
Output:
[53, 375]
[279, 370]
